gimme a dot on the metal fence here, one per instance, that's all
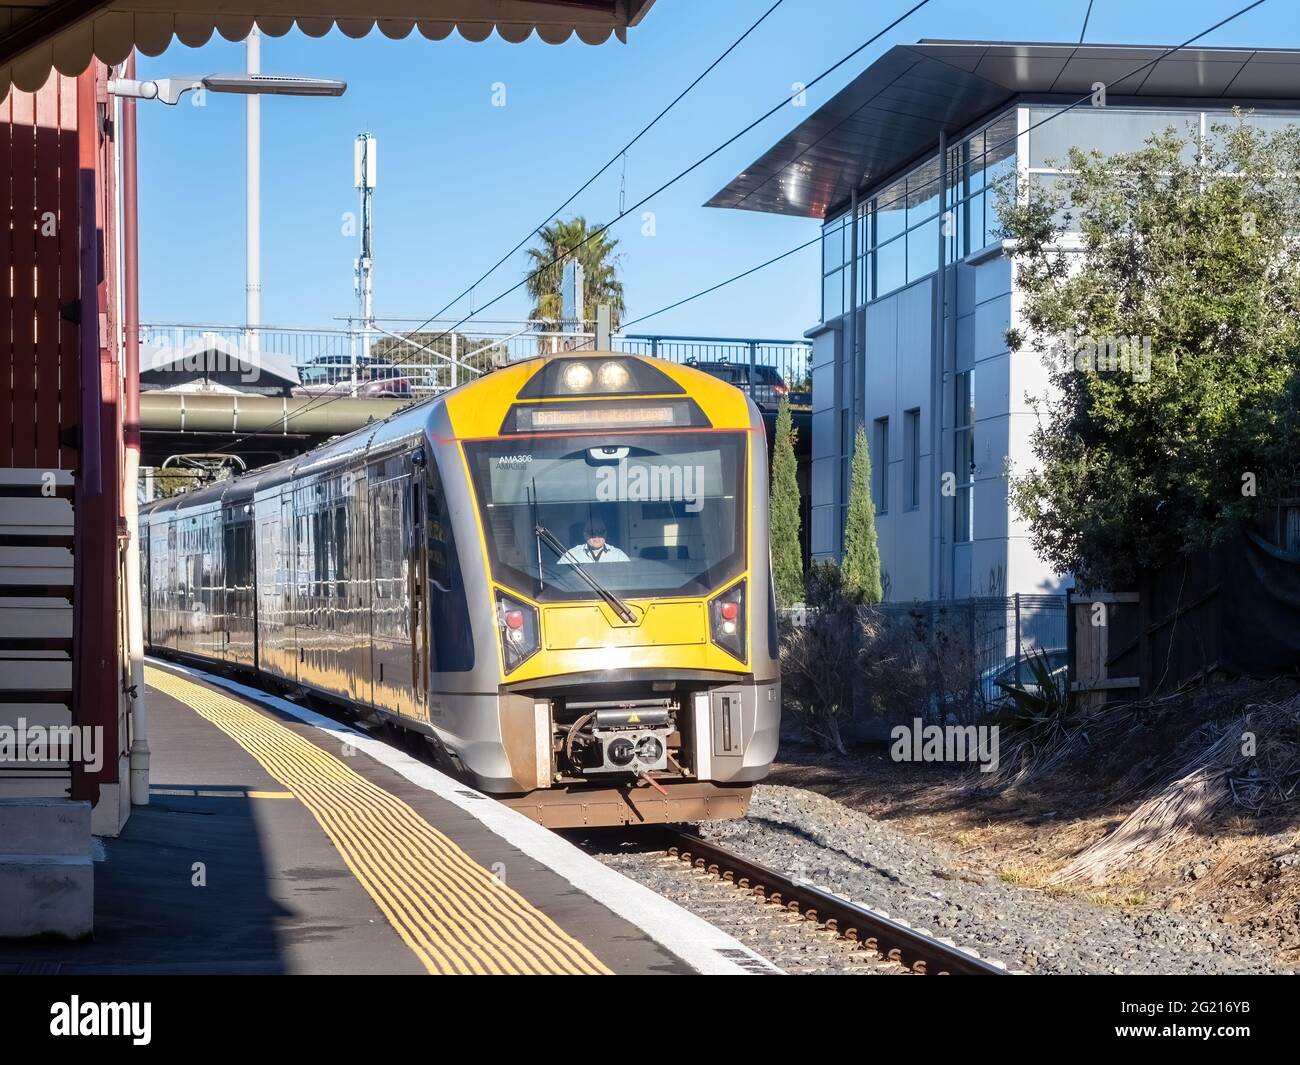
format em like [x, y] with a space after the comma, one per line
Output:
[940, 657]
[993, 636]
[439, 354]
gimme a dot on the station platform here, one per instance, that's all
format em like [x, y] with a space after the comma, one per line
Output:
[278, 840]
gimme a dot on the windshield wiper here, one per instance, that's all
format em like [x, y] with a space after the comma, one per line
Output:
[544, 535]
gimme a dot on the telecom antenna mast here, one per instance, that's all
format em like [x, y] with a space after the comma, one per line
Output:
[365, 163]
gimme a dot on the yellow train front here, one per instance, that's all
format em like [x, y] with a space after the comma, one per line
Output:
[611, 518]
[558, 573]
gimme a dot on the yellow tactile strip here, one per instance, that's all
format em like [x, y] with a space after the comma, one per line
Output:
[455, 915]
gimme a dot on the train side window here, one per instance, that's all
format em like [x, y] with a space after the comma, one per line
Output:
[340, 551]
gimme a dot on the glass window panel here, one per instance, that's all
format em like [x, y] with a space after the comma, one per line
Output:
[975, 220]
[1108, 130]
[912, 457]
[955, 219]
[891, 266]
[999, 158]
[923, 192]
[833, 246]
[832, 296]
[964, 412]
[1270, 121]
[865, 290]
[962, 518]
[923, 250]
[891, 211]
[880, 464]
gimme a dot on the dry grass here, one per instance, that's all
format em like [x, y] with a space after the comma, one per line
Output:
[1149, 805]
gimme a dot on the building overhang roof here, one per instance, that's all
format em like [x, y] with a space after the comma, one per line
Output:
[37, 36]
[895, 110]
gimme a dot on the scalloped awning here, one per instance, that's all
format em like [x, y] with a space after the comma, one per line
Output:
[39, 35]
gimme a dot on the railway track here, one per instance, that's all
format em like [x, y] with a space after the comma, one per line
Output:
[915, 950]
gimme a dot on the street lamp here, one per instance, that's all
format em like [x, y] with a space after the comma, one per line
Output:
[170, 90]
[252, 84]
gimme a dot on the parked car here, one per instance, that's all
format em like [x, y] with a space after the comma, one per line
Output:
[375, 380]
[997, 681]
[764, 384]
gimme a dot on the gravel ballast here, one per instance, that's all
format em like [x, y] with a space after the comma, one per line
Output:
[808, 835]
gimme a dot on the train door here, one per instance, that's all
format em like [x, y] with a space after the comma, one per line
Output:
[291, 600]
[357, 586]
[419, 593]
[145, 543]
[390, 608]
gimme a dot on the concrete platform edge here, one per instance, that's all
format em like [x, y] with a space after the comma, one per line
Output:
[699, 944]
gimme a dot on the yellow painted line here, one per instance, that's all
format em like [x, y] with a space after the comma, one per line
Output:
[270, 795]
[453, 914]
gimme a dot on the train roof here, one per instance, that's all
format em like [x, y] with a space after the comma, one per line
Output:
[472, 416]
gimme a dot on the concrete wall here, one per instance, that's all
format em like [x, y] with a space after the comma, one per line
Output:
[896, 338]
[897, 376]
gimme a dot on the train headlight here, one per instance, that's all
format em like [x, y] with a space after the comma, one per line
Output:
[519, 630]
[727, 620]
[613, 376]
[577, 377]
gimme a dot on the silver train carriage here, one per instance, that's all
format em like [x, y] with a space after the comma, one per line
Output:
[558, 573]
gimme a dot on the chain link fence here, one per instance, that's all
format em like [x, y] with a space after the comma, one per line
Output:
[949, 660]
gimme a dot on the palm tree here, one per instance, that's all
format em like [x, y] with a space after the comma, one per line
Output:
[556, 244]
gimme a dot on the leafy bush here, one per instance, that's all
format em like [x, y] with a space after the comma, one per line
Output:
[819, 659]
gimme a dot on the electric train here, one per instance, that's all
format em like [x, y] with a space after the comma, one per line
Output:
[558, 573]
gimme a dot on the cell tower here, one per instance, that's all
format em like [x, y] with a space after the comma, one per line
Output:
[365, 169]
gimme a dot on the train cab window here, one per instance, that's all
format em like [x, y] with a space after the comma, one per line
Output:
[670, 506]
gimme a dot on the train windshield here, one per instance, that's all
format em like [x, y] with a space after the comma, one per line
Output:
[652, 514]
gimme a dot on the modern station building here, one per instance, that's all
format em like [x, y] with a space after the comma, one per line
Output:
[917, 283]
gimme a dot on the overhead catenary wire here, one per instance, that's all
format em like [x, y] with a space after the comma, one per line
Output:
[1086, 16]
[784, 102]
[731, 280]
[786, 254]
[694, 166]
[600, 230]
[621, 154]
[1007, 140]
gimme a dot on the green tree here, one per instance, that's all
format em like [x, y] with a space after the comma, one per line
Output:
[1188, 254]
[559, 242]
[783, 520]
[861, 563]
[432, 354]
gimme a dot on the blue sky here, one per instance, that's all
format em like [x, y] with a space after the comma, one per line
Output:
[461, 181]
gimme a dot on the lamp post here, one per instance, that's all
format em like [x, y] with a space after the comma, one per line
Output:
[169, 91]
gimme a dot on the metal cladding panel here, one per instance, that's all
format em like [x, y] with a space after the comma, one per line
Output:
[895, 110]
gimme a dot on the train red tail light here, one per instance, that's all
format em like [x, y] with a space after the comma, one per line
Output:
[727, 620]
[519, 631]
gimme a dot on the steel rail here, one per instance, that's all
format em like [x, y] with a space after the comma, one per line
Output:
[891, 939]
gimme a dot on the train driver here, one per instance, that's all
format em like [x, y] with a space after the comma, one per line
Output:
[594, 547]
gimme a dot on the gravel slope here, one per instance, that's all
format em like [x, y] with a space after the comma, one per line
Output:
[837, 848]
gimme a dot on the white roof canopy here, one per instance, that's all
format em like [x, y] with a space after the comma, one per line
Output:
[39, 35]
